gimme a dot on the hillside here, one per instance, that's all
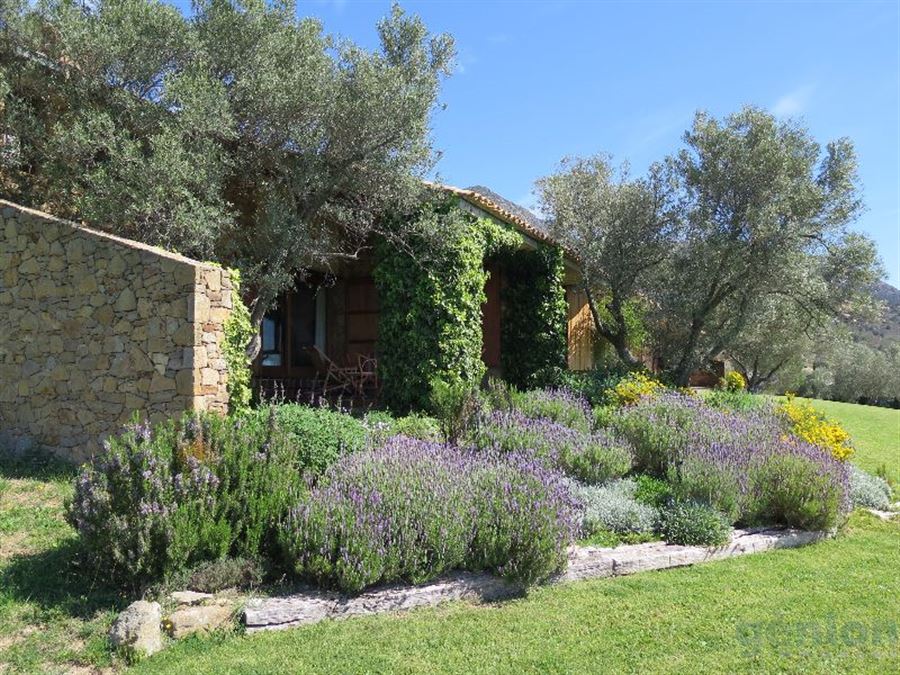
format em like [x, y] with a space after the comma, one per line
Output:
[887, 329]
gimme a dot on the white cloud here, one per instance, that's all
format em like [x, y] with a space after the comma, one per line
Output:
[794, 102]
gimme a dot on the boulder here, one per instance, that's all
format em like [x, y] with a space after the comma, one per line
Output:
[195, 619]
[191, 597]
[137, 629]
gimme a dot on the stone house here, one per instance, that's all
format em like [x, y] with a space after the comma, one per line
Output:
[94, 327]
[339, 313]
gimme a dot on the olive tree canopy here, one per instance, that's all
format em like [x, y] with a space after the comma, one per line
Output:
[750, 220]
[240, 133]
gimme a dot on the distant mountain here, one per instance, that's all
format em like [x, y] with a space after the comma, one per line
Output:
[887, 329]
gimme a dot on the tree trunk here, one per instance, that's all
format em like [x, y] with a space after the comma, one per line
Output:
[618, 338]
[257, 314]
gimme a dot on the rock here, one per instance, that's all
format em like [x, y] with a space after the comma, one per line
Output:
[884, 515]
[203, 618]
[137, 629]
[190, 597]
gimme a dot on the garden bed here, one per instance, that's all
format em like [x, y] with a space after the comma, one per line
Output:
[585, 562]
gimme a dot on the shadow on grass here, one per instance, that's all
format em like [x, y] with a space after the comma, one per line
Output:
[37, 466]
[57, 580]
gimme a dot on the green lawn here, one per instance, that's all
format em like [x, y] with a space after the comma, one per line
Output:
[745, 615]
[53, 615]
[825, 608]
[875, 433]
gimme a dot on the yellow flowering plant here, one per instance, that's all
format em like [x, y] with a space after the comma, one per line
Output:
[733, 382]
[815, 428]
[633, 387]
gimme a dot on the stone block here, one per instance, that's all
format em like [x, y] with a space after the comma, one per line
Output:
[137, 629]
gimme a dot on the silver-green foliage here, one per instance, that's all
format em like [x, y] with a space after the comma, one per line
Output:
[613, 507]
[869, 491]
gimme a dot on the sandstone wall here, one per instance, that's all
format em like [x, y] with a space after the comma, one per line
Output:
[95, 327]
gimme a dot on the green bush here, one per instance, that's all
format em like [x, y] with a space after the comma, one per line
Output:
[319, 436]
[652, 491]
[560, 405]
[161, 499]
[740, 399]
[693, 524]
[794, 491]
[456, 404]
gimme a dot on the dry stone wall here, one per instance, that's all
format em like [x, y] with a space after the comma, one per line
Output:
[95, 327]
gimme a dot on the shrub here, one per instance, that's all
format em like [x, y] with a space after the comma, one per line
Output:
[559, 405]
[320, 436]
[869, 491]
[728, 460]
[160, 499]
[657, 430]
[498, 394]
[724, 399]
[733, 382]
[601, 457]
[456, 405]
[634, 387]
[815, 428]
[589, 457]
[801, 491]
[651, 491]
[382, 425]
[693, 524]
[412, 510]
[604, 416]
[613, 507]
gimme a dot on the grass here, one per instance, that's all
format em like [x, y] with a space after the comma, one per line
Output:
[875, 433]
[53, 614]
[825, 608]
[741, 615]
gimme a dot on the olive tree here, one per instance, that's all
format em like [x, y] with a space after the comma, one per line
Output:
[766, 212]
[619, 229]
[241, 133]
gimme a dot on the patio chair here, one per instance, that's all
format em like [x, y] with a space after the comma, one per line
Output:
[368, 374]
[336, 378]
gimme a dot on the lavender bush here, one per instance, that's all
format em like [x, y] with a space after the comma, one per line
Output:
[160, 499]
[414, 509]
[559, 405]
[591, 458]
[744, 464]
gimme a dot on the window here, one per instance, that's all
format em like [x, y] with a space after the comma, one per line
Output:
[303, 325]
[272, 330]
[291, 328]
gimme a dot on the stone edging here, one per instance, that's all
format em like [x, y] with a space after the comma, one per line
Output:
[586, 562]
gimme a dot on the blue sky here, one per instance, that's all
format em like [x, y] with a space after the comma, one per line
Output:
[537, 81]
